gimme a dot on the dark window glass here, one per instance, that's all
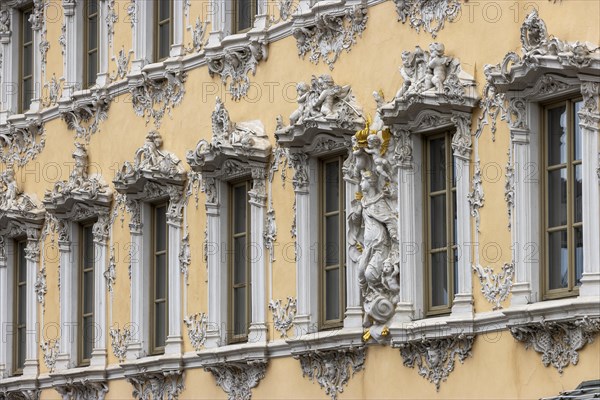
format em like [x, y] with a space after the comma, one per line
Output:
[239, 262]
[160, 278]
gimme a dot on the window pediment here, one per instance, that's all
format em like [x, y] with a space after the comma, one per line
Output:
[323, 108]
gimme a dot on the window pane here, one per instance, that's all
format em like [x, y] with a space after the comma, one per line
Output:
[92, 33]
[557, 140]
[21, 339]
[239, 311]
[578, 193]
[160, 318]
[557, 197]
[244, 14]
[578, 255]
[438, 221]
[88, 292]
[88, 337]
[164, 9]
[332, 294]
[92, 7]
[161, 228]
[439, 279]
[332, 240]
[558, 257]
[27, 93]
[239, 260]
[22, 262]
[27, 29]
[239, 209]
[437, 164]
[164, 44]
[577, 136]
[27, 60]
[22, 310]
[332, 186]
[88, 247]
[161, 276]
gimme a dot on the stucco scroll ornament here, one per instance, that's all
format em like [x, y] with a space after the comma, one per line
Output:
[373, 227]
[558, 341]
[198, 33]
[54, 91]
[79, 182]
[119, 338]
[50, 350]
[85, 118]
[166, 385]
[21, 394]
[495, 287]
[82, 389]
[435, 358]
[332, 369]
[122, 60]
[329, 35]
[509, 188]
[197, 325]
[476, 198]
[430, 15]
[185, 257]
[110, 275]
[235, 64]
[112, 17]
[4, 21]
[237, 379]
[283, 315]
[41, 287]
[19, 145]
[431, 72]
[155, 98]
[323, 100]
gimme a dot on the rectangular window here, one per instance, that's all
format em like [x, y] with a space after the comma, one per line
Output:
[163, 29]
[243, 15]
[332, 240]
[562, 192]
[90, 43]
[440, 224]
[239, 262]
[160, 278]
[86, 294]
[26, 64]
[20, 310]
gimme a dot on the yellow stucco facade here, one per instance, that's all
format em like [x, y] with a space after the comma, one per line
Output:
[497, 366]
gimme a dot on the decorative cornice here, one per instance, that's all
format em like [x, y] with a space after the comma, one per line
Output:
[166, 385]
[283, 316]
[429, 15]
[495, 287]
[82, 390]
[154, 98]
[237, 379]
[196, 326]
[332, 369]
[236, 63]
[435, 358]
[326, 33]
[84, 114]
[557, 341]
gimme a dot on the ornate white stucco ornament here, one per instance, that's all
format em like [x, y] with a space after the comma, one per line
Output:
[50, 351]
[165, 385]
[435, 358]
[332, 369]
[118, 341]
[21, 143]
[236, 63]
[82, 389]
[83, 115]
[196, 325]
[429, 15]
[495, 287]
[557, 341]
[13, 201]
[373, 224]
[122, 60]
[283, 315]
[237, 379]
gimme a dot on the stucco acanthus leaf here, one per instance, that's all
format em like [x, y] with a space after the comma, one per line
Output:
[185, 257]
[270, 233]
[238, 140]
[495, 287]
[122, 60]
[234, 64]
[198, 32]
[21, 144]
[152, 99]
[41, 287]
[237, 379]
[54, 91]
[167, 385]
[476, 198]
[435, 358]
[4, 22]
[432, 73]
[332, 369]
[589, 115]
[50, 349]
[429, 15]
[119, 338]
[197, 325]
[82, 389]
[112, 17]
[558, 341]
[80, 184]
[132, 13]
[110, 275]
[324, 101]
[509, 188]
[283, 315]
[21, 394]
[84, 116]
[327, 34]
